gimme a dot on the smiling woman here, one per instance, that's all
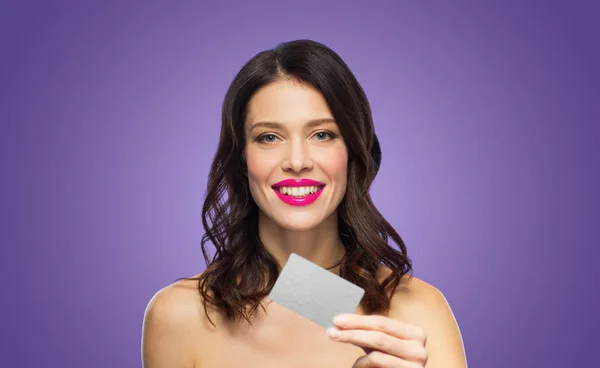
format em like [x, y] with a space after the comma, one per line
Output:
[303, 153]
[292, 173]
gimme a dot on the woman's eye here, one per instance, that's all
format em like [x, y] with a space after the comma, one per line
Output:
[267, 138]
[321, 136]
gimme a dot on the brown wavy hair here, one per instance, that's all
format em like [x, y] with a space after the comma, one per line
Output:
[242, 271]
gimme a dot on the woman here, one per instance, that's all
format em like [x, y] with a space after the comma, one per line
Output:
[292, 172]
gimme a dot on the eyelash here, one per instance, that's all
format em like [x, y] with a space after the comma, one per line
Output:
[262, 136]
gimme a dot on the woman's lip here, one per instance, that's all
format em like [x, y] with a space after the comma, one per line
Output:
[295, 201]
[297, 183]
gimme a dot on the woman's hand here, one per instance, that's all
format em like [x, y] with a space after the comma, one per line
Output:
[387, 342]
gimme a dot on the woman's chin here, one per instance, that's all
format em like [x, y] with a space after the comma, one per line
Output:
[301, 219]
[297, 227]
[299, 223]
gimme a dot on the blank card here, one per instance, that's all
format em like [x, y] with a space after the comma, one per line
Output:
[313, 292]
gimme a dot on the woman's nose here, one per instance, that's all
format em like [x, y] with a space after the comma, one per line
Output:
[298, 158]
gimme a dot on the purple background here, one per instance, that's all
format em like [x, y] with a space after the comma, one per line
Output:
[487, 116]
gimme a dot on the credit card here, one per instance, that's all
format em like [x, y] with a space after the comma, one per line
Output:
[314, 292]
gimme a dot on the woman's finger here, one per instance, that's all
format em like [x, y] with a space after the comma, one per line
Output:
[390, 326]
[379, 359]
[376, 340]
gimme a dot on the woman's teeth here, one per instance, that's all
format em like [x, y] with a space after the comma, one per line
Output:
[298, 191]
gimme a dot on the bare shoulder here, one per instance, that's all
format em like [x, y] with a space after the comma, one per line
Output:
[172, 326]
[423, 305]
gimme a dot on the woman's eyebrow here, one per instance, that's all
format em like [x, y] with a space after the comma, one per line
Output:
[274, 125]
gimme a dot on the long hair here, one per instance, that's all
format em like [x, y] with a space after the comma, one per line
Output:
[242, 272]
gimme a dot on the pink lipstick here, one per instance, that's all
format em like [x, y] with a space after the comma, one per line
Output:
[292, 195]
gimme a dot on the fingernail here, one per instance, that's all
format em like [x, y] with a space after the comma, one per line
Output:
[333, 332]
[340, 319]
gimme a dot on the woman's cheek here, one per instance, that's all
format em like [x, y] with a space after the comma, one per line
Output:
[337, 164]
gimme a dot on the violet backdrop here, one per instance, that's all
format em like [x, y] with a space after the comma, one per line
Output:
[487, 116]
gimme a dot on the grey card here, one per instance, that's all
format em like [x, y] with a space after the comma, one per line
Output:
[313, 292]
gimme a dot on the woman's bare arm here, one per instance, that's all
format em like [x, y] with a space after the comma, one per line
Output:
[425, 306]
[168, 333]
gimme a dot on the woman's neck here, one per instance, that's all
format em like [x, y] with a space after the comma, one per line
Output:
[321, 245]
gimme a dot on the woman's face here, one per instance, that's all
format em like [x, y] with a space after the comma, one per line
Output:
[291, 135]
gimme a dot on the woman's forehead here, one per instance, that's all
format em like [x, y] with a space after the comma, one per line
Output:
[287, 103]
